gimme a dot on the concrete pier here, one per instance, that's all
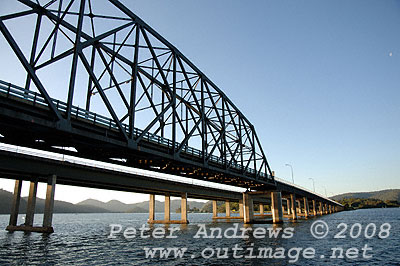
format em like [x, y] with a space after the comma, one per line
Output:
[288, 206]
[320, 209]
[49, 204]
[167, 208]
[298, 205]
[248, 215]
[151, 208]
[314, 207]
[241, 208]
[326, 208]
[261, 207]
[276, 207]
[215, 209]
[227, 209]
[15, 203]
[30, 209]
[293, 206]
[184, 218]
[306, 209]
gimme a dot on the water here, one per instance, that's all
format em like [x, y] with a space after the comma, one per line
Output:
[81, 239]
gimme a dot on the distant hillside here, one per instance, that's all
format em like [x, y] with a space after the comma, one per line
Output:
[91, 205]
[141, 207]
[111, 206]
[5, 202]
[384, 195]
[59, 206]
[357, 203]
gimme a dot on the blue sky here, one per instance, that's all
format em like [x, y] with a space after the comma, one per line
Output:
[320, 80]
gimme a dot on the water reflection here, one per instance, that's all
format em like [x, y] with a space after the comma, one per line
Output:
[82, 239]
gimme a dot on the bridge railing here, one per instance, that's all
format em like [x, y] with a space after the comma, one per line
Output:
[37, 100]
[303, 188]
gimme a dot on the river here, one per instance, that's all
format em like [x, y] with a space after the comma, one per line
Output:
[361, 237]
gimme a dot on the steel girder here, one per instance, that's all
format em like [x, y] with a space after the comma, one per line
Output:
[144, 84]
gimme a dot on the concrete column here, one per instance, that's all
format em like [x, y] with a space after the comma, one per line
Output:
[248, 216]
[167, 207]
[184, 208]
[330, 208]
[298, 206]
[49, 204]
[288, 206]
[283, 208]
[227, 209]
[276, 207]
[215, 210]
[241, 208]
[261, 208]
[314, 204]
[30, 209]
[320, 208]
[152, 203]
[326, 208]
[15, 203]
[306, 210]
[293, 206]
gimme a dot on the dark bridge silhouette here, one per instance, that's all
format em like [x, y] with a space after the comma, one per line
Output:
[102, 84]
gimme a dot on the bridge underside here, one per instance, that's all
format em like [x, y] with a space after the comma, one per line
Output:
[33, 166]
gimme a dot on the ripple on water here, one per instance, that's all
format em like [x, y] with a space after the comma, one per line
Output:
[81, 239]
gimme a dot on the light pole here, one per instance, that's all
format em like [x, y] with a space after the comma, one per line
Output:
[313, 184]
[291, 167]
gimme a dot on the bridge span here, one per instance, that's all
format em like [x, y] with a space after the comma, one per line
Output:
[145, 106]
[291, 202]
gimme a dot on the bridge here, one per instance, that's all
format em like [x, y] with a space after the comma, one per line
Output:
[145, 106]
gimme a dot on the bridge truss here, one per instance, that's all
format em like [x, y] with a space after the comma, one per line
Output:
[147, 105]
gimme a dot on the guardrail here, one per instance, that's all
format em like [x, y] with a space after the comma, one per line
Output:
[305, 189]
[94, 118]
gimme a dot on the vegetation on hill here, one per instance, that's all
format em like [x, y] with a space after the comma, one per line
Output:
[376, 199]
[384, 195]
[357, 203]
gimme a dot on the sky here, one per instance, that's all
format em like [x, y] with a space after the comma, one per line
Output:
[319, 80]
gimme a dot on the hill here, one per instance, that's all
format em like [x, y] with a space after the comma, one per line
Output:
[59, 206]
[357, 203]
[91, 205]
[383, 195]
[141, 207]
[110, 206]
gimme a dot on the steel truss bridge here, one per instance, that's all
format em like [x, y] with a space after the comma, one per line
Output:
[99, 81]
